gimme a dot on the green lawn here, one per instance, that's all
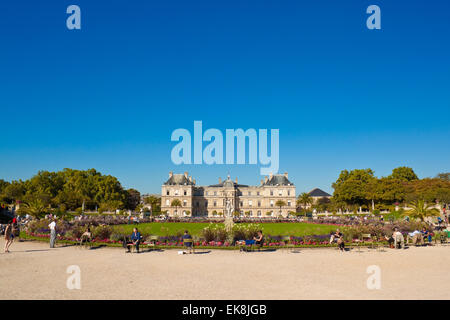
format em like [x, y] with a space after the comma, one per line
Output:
[172, 228]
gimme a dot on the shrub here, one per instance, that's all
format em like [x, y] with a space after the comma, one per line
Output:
[102, 232]
[117, 236]
[208, 233]
[75, 232]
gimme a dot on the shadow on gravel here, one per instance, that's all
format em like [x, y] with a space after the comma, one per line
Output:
[202, 252]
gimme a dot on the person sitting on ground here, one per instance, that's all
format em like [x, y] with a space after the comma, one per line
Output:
[259, 238]
[188, 244]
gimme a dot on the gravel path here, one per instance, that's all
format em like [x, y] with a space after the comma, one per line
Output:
[33, 271]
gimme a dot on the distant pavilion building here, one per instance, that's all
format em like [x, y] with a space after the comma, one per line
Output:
[317, 193]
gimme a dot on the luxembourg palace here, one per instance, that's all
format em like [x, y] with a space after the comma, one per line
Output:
[210, 201]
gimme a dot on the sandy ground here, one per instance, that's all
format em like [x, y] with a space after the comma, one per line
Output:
[33, 271]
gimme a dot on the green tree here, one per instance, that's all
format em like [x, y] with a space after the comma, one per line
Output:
[304, 199]
[444, 176]
[404, 174]
[133, 199]
[15, 191]
[323, 204]
[154, 202]
[34, 208]
[390, 191]
[354, 188]
[280, 204]
[176, 203]
[421, 210]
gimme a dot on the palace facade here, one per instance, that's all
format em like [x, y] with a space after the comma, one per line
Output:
[252, 201]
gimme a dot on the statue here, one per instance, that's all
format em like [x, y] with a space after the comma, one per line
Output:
[229, 219]
[229, 208]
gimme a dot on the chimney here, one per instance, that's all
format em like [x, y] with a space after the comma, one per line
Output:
[270, 176]
[286, 175]
[194, 181]
[170, 174]
[186, 174]
[266, 179]
[190, 178]
[262, 181]
[220, 180]
[236, 179]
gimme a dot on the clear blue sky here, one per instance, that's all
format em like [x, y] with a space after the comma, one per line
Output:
[108, 96]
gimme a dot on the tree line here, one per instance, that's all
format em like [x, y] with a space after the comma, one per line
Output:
[69, 190]
[360, 188]
[73, 190]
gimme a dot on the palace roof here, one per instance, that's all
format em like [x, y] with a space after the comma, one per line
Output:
[318, 193]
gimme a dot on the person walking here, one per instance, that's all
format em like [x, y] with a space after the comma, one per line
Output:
[8, 237]
[52, 227]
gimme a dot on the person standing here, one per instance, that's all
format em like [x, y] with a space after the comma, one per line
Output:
[52, 227]
[8, 237]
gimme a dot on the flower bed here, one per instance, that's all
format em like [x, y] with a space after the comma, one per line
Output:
[216, 235]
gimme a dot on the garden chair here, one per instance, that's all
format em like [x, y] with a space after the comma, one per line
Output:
[369, 238]
[358, 242]
[287, 243]
[152, 242]
[85, 242]
[128, 244]
[362, 239]
[189, 243]
[399, 239]
[377, 245]
[444, 237]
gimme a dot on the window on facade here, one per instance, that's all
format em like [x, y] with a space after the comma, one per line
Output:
[167, 202]
[184, 203]
[271, 192]
[251, 213]
[206, 203]
[197, 204]
[176, 192]
[215, 204]
[289, 203]
[241, 203]
[249, 193]
[250, 202]
[271, 203]
[289, 192]
[257, 193]
[167, 192]
[259, 213]
[259, 203]
[280, 192]
[185, 192]
[215, 193]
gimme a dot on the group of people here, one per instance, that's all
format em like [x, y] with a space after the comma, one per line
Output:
[257, 240]
[396, 240]
[135, 240]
